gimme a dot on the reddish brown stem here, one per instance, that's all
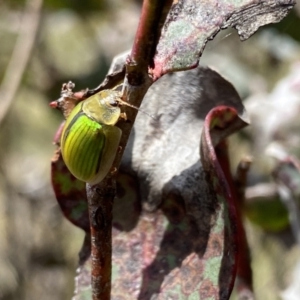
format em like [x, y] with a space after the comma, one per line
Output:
[153, 15]
[244, 273]
[241, 179]
[223, 159]
[100, 198]
[146, 35]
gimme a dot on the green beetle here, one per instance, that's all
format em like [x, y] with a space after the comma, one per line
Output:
[89, 141]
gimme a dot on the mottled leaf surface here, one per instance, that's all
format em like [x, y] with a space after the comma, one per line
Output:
[172, 235]
[191, 23]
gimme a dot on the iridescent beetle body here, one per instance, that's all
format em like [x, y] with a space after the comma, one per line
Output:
[89, 140]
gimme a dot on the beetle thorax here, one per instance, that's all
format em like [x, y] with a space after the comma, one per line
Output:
[101, 110]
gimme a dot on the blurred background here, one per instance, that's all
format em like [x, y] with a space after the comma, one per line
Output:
[46, 43]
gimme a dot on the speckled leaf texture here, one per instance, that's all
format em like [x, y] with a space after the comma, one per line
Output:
[174, 231]
[191, 23]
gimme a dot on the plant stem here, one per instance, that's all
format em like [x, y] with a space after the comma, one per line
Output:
[100, 197]
[153, 15]
[146, 36]
[244, 282]
[20, 55]
[100, 200]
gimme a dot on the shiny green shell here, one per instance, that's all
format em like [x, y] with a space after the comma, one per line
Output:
[89, 140]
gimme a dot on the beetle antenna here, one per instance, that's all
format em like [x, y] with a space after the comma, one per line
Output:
[137, 108]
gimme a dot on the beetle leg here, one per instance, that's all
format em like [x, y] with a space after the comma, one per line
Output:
[123, 116]
[113, 171]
